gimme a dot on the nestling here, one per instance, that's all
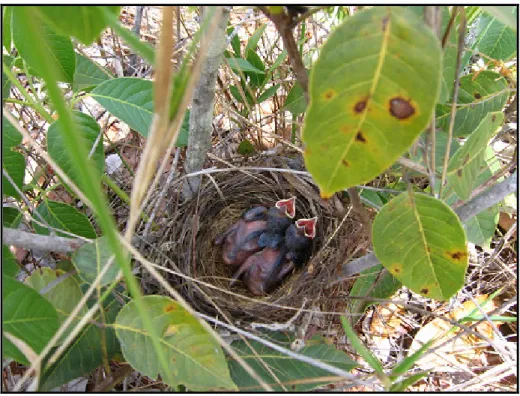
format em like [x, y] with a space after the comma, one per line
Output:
[241, 239]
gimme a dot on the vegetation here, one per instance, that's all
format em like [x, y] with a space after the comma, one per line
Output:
[405, 115]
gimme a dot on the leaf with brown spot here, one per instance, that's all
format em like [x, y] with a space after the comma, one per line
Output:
[401, 108]
[360, 138]
[369, 82]
[417, 234]
[465, 164]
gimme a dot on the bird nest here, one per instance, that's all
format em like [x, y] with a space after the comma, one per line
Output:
[186, 245]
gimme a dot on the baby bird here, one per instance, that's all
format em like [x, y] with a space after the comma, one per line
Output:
[265, 270]
[241, 239]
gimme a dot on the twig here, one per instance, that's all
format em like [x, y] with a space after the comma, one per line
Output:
[287, 352]
[28, 240]
[361, 211]
[309, 13]
[488, 198]
[462, 32]
[283, 23]
[448, 28]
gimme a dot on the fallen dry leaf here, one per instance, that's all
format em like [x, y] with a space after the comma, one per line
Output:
[464, 350]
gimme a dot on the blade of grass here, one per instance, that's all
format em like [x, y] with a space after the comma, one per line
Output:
[401, 386]
[91, 185]
[407, 363]
[364, 352]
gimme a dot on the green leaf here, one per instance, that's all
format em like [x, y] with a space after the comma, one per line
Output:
[450, 52]
[373, 197]
[64, 295]
[11, 217]
[26, 315]
[129, 99]
[6, 83]
[239, 64]
[88, 73]
[245, 148]
[465, 164]
[372, 282]
[10, 135]
[441, 140]
[487, 93]
[295, 102]
[91, 258]
[14, 164]
[255, 79]
[238, 96]
[58, 150]
[195, 358]
[255, 37]
[60, 47]
[481, 228]
[7, 18]
[278, 61]
[85, 353]
[495, 39]
[63, 217]
[235, 42]
[182, 139]
[421, 242]
[295, 375]
[9, 266]
[268, 93]
[504, 14]
[83, 22]
[372, 91]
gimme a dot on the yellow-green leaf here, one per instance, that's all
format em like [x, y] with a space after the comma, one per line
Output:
[195, 358]
[479, 95]
[421, 242]
[372, 92]
[464, 166]
[63, 294]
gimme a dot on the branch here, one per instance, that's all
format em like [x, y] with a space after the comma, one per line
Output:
[488, 198]
[28, 240]
[466, 212]
[202, 106]
[284, 23]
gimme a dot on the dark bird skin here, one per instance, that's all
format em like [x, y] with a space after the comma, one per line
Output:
[265, 270]
[241, 239]
[257, 270]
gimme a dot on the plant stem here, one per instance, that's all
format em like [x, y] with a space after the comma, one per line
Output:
[462, 32]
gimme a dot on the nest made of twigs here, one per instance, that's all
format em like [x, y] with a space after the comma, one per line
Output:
[186, 243]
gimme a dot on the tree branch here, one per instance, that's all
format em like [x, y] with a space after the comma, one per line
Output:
[466, 212]
[28, 240]
[284, 23]
[202, 107]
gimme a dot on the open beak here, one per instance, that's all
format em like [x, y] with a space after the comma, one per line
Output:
[309, 226]
[289, 205]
